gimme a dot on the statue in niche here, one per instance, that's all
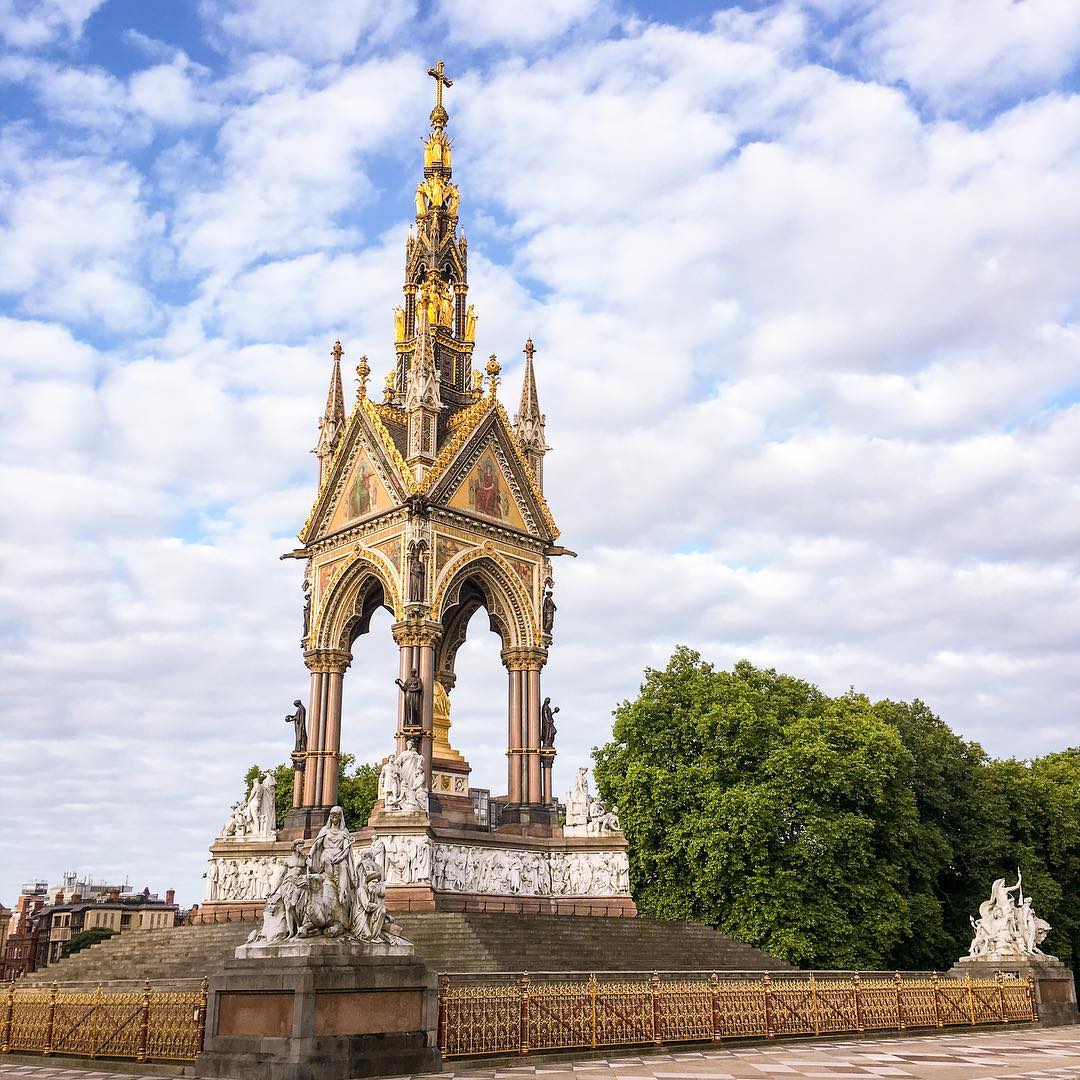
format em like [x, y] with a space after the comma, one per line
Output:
[548, 731]
[548, 612]
[417, 573]
[307, 607]
[299, 721]
[413, 690]
[445, 315]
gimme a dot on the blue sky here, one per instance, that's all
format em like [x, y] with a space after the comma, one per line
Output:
[802, 281]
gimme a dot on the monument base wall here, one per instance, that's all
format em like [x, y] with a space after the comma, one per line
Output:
[1055, 989]
[329, 1012]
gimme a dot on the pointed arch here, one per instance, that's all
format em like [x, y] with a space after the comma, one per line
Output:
[501, 594]
[360, 588]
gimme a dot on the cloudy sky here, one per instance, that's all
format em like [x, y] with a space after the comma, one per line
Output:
[803, 281]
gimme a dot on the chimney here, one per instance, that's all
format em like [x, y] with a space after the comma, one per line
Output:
[170, 895]
[76, 898]
[114, 895]
[58, 898]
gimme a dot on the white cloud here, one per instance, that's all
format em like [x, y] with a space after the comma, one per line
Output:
[318, 30]
[30, 23]
[73, 232]
[962, 54]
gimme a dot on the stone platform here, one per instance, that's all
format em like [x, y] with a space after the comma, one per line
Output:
[324, 1011]
[1055, 990]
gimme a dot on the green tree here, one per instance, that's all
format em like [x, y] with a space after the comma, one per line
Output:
[358, 790]
[754, 802]
[85, 938]
[831, 831]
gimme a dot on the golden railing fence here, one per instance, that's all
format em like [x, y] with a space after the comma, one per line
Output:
[518, 1014]
[141, 1025]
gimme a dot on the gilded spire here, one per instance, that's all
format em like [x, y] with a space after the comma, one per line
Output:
[529, 422]
[438, 114]
[332, 423]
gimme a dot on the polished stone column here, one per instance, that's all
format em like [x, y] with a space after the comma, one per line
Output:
[524, 775]
[417, 640]
[315, 713]
[513, 738]
[321, 763]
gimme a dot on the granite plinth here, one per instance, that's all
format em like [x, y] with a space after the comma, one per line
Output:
[332, 1012]
[1055, 989]
[321, 948]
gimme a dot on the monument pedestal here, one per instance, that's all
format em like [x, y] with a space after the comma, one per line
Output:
[1055, 990]
[320, 1010]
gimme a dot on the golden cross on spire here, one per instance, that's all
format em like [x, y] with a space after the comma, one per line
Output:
[437, 73]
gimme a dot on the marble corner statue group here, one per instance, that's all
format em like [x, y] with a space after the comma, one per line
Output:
[430, 505]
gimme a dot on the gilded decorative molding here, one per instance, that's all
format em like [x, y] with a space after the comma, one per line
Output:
[421, 633]
[332, 661]
[524, 658]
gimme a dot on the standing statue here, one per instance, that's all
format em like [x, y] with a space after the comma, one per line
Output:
[417, 573]
[299, 721]
[548, 731]
[413, 689]
[548, 612]
[470, 324]
[399, 324]
[307, 608]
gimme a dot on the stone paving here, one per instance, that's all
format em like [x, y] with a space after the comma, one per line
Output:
[1028, 1054]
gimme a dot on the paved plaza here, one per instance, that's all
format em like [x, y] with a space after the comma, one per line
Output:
[1030, 1054]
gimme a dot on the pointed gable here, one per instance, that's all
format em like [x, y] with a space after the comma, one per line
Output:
[362, 494]
[482, 470]
[366, 477]
[486, 491]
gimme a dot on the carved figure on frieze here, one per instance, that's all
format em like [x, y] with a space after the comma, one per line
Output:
[298, 720]
[548, 731]
[413, 691]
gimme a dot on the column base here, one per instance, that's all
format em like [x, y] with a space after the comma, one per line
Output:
[303, 822]
[529, 814]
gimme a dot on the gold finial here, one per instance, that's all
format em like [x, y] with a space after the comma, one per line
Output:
[438, 114]
[478, 384]
[337, 352]
[529, 349]
[363, 370]
[493, 368]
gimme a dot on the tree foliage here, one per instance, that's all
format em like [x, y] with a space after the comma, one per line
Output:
[833, 832]
[85, 938]
[358, 790]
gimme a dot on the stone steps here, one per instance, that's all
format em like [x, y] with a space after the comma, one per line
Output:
[449, 941]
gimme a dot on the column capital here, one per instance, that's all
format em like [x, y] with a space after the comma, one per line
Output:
[417, 632]
[334, 661]
[524, 658]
